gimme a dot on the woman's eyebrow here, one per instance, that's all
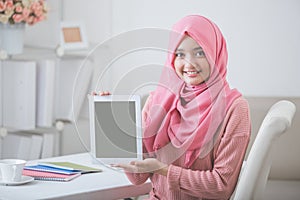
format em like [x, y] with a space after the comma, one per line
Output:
[197, 48]
[179, 50]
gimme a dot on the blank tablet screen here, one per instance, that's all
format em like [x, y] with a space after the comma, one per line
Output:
[115, 129]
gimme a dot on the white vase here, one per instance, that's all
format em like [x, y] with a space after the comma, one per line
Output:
[12, 38]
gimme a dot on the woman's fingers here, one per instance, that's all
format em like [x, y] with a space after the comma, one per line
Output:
[105, 93]
[101, 93]
[149, 165]
[126, 167]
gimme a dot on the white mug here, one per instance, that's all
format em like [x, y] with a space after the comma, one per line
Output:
[11, 169]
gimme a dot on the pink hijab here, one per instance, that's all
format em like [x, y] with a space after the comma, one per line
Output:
[189, 117]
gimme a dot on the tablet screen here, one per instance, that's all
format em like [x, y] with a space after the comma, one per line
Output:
[115, 129]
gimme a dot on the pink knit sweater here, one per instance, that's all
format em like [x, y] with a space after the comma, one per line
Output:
[212, 177]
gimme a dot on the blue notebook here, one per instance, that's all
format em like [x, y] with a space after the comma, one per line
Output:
[71, 166]
[44, 168]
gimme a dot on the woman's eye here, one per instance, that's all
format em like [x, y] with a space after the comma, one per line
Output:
[200, 54]
[179, 55]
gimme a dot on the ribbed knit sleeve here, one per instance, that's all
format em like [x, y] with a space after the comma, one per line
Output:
[219, 181]
[137, 178]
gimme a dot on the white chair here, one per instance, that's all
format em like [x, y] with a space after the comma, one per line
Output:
[255, 172]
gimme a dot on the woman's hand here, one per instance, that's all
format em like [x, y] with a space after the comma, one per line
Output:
[149, 165]
[101, 93]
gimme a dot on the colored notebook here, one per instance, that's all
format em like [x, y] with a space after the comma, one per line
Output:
[70, 166]
[49, 176]
[44, 168]
[62, 168]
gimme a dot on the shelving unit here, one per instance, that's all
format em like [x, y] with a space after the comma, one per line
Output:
[65, 69]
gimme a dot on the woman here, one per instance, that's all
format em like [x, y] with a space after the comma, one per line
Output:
[195, 128]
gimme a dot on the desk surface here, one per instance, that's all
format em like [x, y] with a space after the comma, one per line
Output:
[109, 184]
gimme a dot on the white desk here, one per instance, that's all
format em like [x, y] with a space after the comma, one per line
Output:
[109, 184]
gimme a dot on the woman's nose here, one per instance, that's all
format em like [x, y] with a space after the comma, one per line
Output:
[189, 61]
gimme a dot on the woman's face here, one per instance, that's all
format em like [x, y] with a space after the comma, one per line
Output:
[190, 62]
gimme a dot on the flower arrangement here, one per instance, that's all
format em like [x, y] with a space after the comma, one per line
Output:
[22, 11]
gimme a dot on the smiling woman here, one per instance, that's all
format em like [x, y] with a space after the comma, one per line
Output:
[190, 62]
[196, 128]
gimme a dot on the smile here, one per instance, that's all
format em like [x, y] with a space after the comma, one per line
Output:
[192, 72]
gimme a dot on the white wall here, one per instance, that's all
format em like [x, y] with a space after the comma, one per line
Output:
[94, 13]
[262, 37]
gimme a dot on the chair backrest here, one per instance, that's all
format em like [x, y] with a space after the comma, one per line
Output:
[254, 175]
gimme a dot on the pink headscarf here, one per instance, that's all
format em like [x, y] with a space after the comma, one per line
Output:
[189, 116]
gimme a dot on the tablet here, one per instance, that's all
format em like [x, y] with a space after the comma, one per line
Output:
[115, 128]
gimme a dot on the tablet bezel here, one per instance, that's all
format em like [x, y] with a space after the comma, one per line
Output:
[110, 98]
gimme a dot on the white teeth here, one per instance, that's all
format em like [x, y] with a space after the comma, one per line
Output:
[193, 72]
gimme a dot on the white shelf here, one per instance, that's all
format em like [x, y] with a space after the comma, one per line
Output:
[66, 67]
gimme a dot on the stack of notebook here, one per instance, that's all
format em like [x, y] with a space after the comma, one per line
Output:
[57, 171]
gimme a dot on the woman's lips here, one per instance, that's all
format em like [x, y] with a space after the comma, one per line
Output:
[192, 73]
